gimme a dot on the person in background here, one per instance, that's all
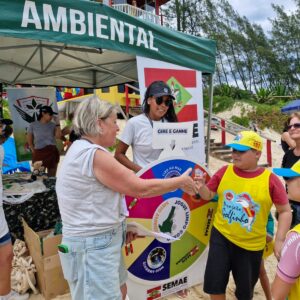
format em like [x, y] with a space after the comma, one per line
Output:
[286, 284]
[289, 159]
[68, 135]
[41, 137]
[287, 142]
[90, 187]
[6, 250]
[158, 106]
[246, 194]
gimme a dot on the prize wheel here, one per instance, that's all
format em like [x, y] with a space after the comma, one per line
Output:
[177, 214]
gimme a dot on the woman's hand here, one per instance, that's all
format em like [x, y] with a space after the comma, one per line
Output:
[188, 184]
[130, 236]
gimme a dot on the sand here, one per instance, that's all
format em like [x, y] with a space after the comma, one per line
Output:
[196, 292]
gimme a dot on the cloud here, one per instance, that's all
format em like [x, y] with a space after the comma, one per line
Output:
[259, 11]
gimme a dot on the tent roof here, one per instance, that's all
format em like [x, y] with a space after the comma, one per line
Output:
[291, 107]
[87, 44]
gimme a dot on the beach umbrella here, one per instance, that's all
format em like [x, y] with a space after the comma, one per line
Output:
[291, 107]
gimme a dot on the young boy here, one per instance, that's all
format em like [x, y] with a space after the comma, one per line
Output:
[246, 193]
[6, 253]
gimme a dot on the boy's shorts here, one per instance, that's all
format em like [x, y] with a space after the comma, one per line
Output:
[223, 257]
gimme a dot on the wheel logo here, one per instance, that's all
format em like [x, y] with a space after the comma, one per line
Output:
[165, 216]
[156, 257]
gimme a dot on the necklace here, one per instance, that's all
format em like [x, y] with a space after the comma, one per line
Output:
[151, 122]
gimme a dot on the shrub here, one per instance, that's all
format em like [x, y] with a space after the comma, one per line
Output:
[243, 121]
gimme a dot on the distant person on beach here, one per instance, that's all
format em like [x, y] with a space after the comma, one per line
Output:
[246, 194]
[287, 142]
[286, 284]
[288, 161]
[90, 189]
[6, 250]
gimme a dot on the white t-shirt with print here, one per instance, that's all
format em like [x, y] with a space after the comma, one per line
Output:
[138, 134]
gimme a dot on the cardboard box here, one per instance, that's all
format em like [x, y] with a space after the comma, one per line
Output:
[45, 256]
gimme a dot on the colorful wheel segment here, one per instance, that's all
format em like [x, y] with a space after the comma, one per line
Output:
[177, 214]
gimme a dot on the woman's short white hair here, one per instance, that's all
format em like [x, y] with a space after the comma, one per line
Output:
[88, 113]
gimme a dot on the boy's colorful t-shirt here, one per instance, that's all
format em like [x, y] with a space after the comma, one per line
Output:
[244, 204]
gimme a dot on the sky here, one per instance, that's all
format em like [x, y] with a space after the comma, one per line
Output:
[259, 11]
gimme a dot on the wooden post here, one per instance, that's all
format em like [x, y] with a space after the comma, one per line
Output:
[269, 153]
[223, 133]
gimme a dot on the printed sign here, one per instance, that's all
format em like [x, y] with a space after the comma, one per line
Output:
[186, 85]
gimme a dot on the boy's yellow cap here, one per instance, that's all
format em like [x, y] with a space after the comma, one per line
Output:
[294, 171]
[246, 140]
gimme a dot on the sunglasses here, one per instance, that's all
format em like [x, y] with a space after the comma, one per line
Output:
[296, 126]
[160, 100]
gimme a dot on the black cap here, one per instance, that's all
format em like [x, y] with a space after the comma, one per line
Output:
[6, 121]
[159, 89]
[47, 109]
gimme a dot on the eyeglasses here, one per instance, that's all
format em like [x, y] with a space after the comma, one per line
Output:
[160, 100]
[296, 126]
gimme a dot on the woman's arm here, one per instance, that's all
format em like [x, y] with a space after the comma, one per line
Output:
[57, 132]
[120, 179]
[120, 155]
[287, 138]
[30, 141]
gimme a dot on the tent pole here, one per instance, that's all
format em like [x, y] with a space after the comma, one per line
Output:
[210, 93]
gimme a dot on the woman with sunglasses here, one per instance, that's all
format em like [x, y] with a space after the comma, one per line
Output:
[157, 107]
[289, 159]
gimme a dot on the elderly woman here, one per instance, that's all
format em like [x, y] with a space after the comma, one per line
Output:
[41, 139]
[90, 187]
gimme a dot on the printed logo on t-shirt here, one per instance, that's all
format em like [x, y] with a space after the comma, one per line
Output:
[239, 208]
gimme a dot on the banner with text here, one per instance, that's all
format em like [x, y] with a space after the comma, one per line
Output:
[186, 85]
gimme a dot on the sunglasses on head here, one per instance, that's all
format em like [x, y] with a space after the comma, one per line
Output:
[160, 100]
[296, 126]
